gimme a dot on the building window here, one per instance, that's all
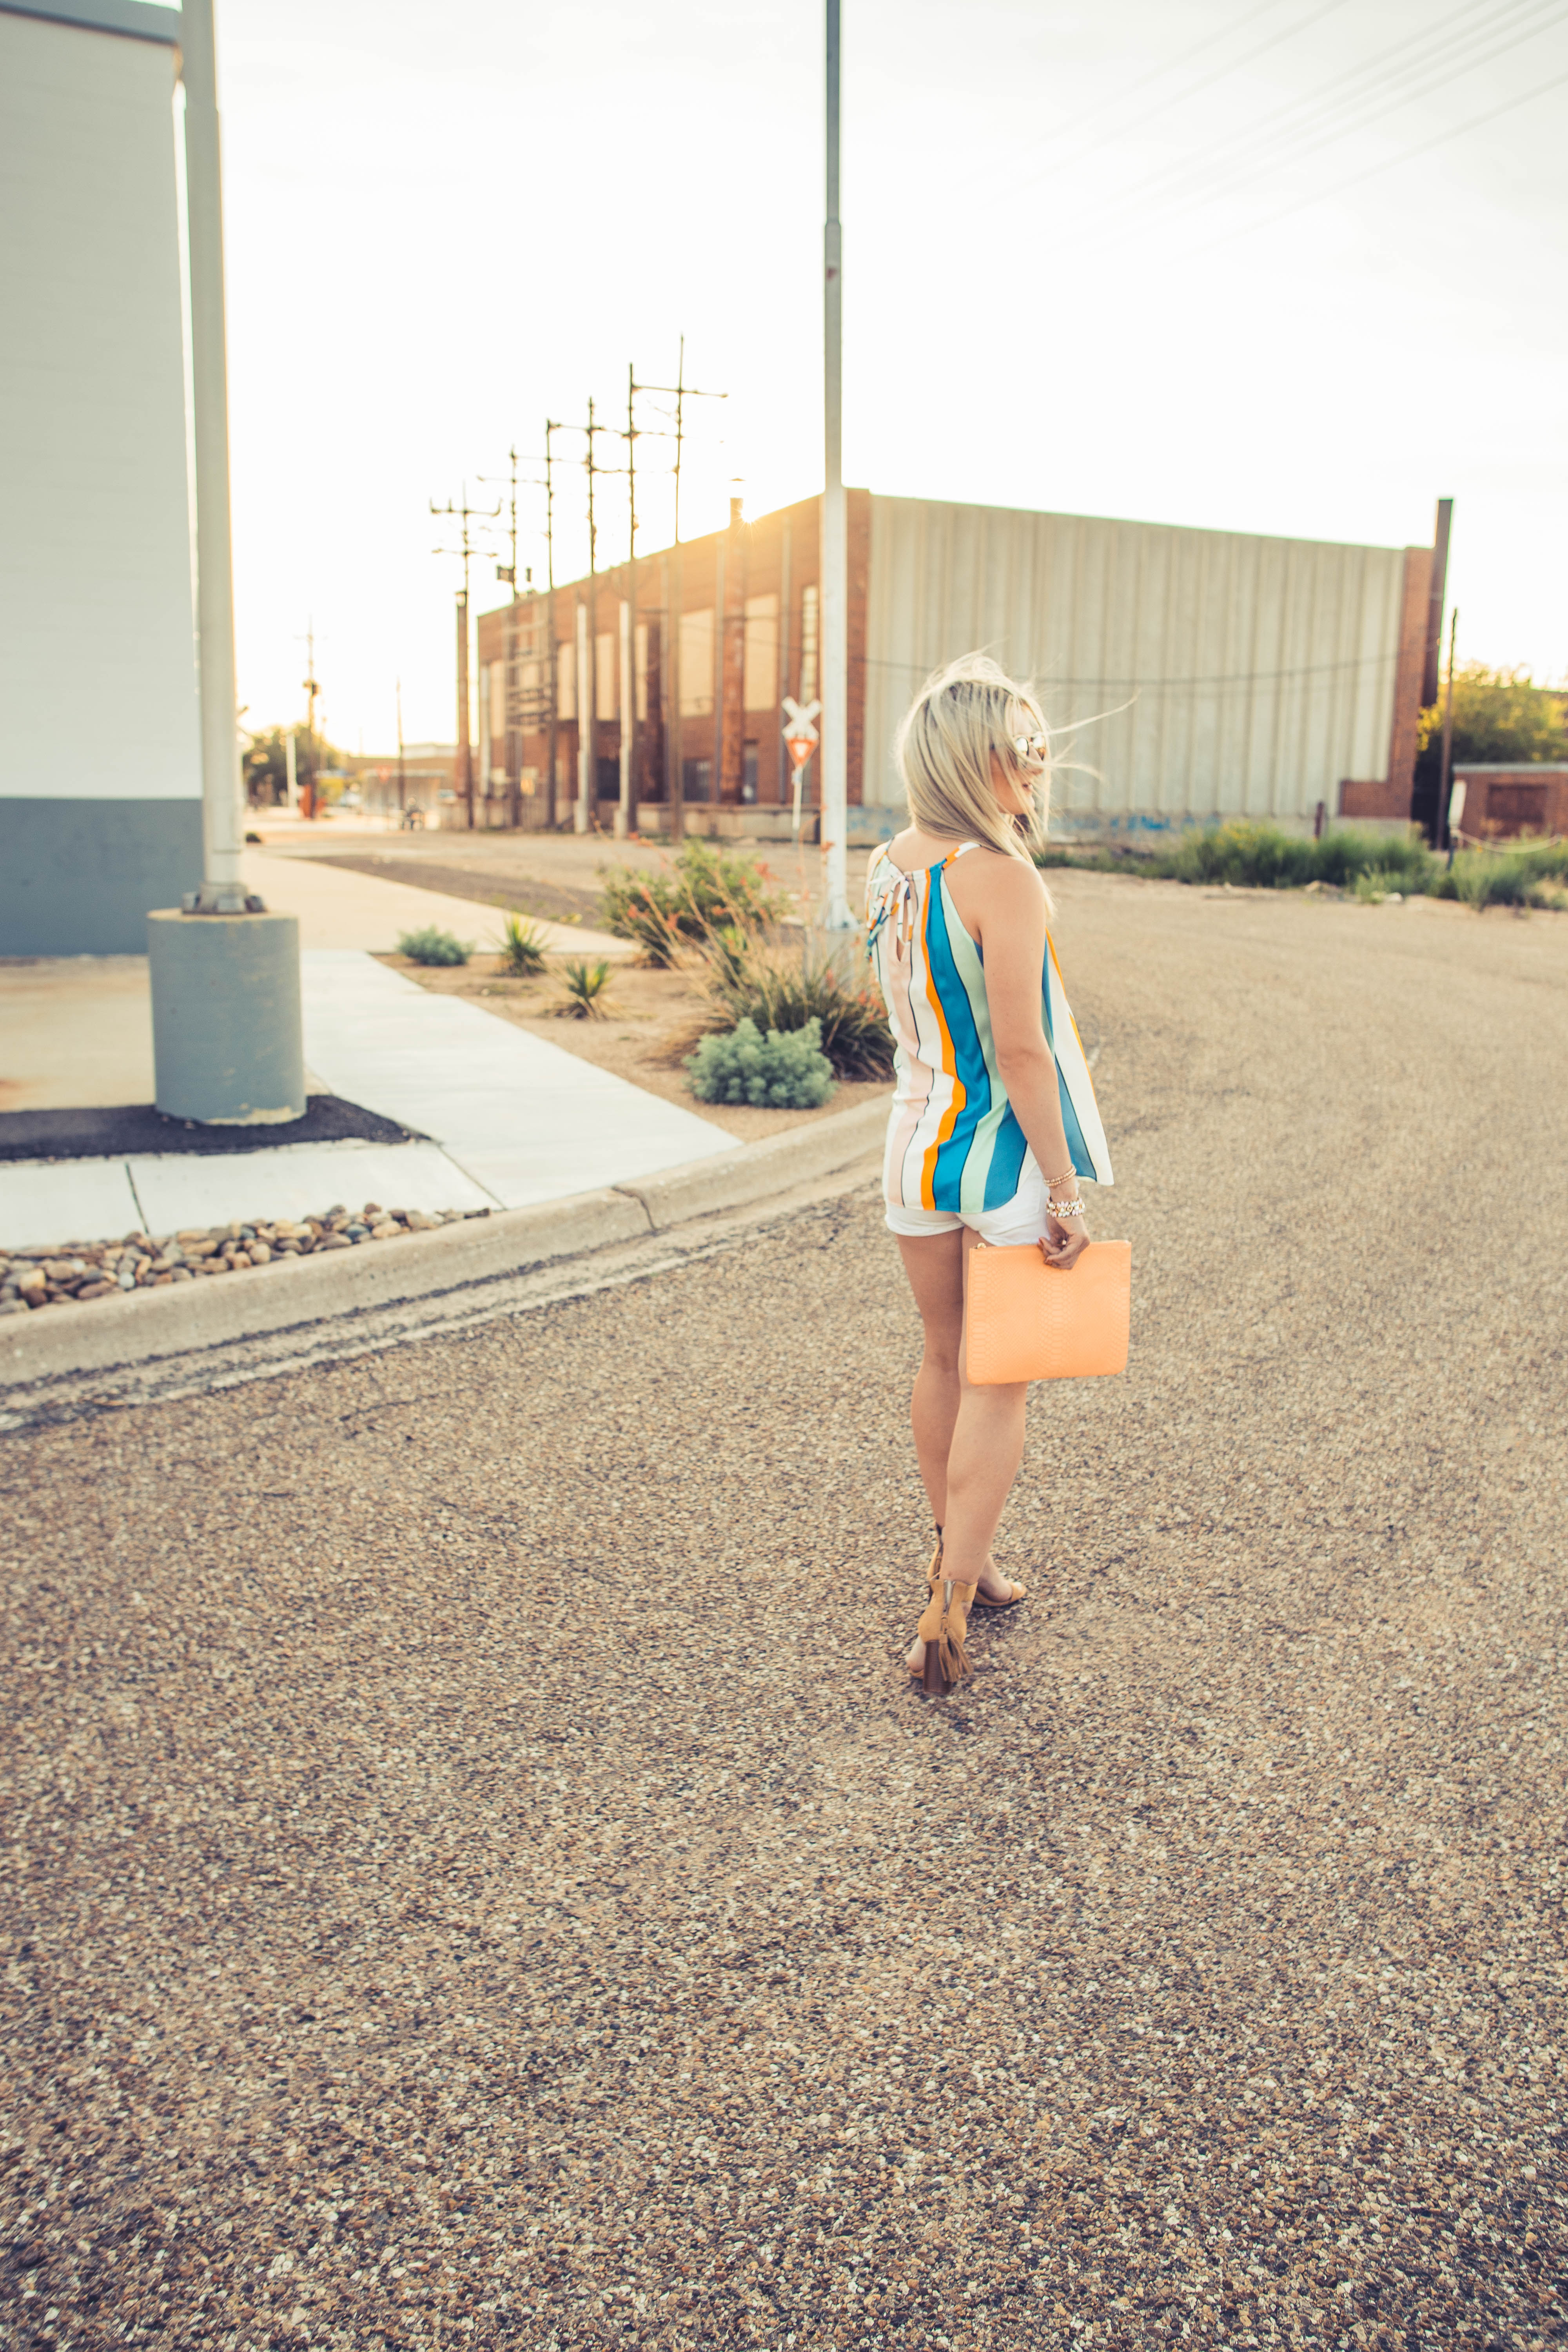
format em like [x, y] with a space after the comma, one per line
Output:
[808, 645]
[697, 664]
[609, 772]
[566, 680]
[760, 688]
[607, 666]
[498, 701]
[639, 670]
[696, 777]
[750, 759]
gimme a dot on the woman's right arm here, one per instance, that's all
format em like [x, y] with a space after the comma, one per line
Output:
[1010, 925]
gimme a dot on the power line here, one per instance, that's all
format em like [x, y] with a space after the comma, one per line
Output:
[1322, 120]
[1157, 73]
[1405, 156]
[1178, 97]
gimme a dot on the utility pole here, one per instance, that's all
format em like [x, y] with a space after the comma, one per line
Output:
[674, 782]
[588, 663]
[508, 571]
[626, 815]
[1440, 829]
[524, 712]
[514, 742]
[312, 754]
[588, 711]
[401, 769]
[835, 533]
[466, 549]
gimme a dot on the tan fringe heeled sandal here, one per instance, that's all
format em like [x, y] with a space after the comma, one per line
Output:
[943, 1623]
[981, 1600]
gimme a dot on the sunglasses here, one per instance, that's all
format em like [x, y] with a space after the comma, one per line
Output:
[1031, 749]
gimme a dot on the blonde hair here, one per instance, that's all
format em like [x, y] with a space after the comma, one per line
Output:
[965, 716]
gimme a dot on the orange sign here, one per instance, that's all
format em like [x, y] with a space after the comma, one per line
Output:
[800, 748]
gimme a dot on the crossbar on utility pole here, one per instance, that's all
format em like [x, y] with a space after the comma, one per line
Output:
[835, 913]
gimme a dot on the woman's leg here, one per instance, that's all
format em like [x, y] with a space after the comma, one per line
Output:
[934, 1264]
[982, 1427]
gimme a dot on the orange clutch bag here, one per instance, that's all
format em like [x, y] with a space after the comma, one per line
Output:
[1028, 1320]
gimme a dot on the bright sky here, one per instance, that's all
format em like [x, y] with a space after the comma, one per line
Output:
[1289, 267]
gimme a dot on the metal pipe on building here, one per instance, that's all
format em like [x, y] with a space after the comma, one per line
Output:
[835, 913]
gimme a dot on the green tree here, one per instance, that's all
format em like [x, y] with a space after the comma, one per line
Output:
[266, 762]
[1500, 715]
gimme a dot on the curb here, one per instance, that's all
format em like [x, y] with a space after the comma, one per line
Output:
[111, 1332]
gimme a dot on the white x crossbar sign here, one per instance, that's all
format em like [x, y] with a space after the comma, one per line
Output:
[797, 722]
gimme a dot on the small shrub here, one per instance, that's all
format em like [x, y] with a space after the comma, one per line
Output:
[522, 947]
[1249, 856]
[783, 1070]
[641, 907]
[1259, 856]
[703, 890]
[1483, 880]
[432, 946]
[586, 986]
[1403, 860]
[778, 988]
[1372, 886]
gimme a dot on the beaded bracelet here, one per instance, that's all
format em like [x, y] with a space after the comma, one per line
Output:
[1067, 1208]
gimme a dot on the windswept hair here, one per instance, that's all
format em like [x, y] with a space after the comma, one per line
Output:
[964, 716]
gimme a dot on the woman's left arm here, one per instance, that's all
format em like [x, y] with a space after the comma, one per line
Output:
[1010, 910]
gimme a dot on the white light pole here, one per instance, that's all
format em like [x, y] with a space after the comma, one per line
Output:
[222, 891]
[835, 535]
[228, 1039]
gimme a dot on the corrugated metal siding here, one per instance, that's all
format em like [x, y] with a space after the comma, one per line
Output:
[1256, 672]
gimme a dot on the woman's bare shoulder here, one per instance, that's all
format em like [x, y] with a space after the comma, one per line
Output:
[987, 878]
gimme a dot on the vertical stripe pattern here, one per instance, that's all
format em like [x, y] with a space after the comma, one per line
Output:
[953, 1139]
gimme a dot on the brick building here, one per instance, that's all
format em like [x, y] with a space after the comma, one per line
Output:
[1503, 803]
[1225, 674]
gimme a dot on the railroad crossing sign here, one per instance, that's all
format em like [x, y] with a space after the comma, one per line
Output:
[799, 735]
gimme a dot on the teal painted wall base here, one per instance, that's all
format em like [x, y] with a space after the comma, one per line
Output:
[80, 877]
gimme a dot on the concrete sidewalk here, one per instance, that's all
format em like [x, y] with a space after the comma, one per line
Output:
[340, 909]
[510, 1118]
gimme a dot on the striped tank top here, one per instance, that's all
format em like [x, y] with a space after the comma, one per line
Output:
[953, 1139]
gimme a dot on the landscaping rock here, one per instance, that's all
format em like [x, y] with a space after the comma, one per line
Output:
[63, 1275]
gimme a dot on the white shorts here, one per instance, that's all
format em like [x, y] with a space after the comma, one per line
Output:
[1017, 1223]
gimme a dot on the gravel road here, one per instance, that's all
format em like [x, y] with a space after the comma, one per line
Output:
[475, 1877]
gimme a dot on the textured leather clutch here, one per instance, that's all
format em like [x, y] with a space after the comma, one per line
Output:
[1028, 1320]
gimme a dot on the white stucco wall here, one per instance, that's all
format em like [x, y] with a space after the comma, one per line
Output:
[1256, 672]
[98, 676]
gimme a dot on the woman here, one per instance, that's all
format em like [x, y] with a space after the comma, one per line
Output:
[993, 1119]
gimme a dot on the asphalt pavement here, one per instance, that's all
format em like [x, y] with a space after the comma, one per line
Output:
[478, 1877]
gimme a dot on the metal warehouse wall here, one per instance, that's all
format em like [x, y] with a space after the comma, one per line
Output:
[1257, 672]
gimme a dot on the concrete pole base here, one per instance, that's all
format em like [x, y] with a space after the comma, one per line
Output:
[227, 1040]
